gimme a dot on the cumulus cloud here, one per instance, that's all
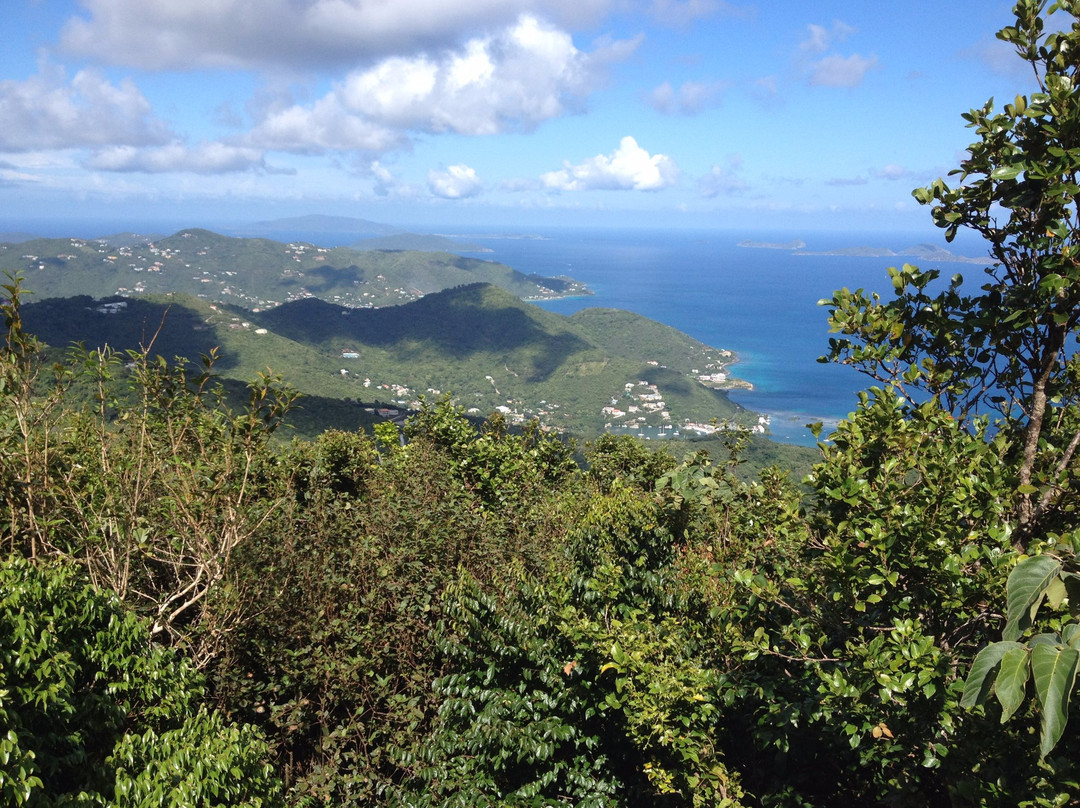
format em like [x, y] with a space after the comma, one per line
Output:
[206, 158]
[892, 172]
[323, 126]
[523, 75]
[691, 98]
[629, 167]
[819, 38]
[47, 111]
[513, 79]
[385, 182]
[456, 182]
[286, 34]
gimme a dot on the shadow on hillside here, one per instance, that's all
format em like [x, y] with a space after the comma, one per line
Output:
[327, 279]
[123, 324]
[446, 327]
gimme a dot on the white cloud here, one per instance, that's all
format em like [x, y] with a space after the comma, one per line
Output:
[723, 180]
[630, 167]
[892, 172]
[819, 38]
[999, 57]
[386, 184]
[512, 80]
[832, 70]
[456, 182]
[691, 98]
[841, 71]
[48, 112]
[206, 158]
[324, 126]
[185, 34]
[384, 180]
[515, 79]
[843, 182]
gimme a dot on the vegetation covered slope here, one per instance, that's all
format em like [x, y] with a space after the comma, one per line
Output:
[255, 272]
[478, 343]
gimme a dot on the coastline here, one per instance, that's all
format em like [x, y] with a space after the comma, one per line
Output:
[729, 382]
[576, 295]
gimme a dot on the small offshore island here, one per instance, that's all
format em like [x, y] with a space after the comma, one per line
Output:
[796, 244]
[922, 252]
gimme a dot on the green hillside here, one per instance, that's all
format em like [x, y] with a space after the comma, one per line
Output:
[478, 342]
[255, 273]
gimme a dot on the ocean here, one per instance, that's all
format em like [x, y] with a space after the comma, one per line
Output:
[760, 303]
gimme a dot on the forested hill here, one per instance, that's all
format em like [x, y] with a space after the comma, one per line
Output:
[478, 342]
[255, 272]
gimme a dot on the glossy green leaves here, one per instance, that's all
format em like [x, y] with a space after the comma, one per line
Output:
[1049, 660]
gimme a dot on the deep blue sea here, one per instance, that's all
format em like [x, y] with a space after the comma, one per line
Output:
[760, 303]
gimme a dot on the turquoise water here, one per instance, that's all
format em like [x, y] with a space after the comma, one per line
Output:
[760, 303]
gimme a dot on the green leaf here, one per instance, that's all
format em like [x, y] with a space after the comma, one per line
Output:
[1054, 671]
[1055, 593]
[1006, 172]
[983, 671]
[1011, 684]
[1026, 586]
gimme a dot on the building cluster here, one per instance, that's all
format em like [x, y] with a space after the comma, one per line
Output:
[640, 403]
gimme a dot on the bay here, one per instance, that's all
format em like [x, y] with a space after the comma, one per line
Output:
[760, 303]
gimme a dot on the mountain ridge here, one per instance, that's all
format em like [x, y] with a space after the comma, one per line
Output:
[255, 272]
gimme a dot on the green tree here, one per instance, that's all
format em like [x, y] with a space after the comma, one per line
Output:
[92, 714]
[350, 573]
[1007, 347]
[1013, 346]
[584, 682]
[941, 481]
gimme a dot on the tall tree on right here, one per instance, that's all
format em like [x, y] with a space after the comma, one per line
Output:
[1007, 348]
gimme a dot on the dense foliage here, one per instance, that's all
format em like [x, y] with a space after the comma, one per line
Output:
[194, 614]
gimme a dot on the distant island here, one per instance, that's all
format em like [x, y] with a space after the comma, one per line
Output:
[422, 242]
[797, 244]
[318, 223]
[363, 234]
[922, 252]
[510, 236]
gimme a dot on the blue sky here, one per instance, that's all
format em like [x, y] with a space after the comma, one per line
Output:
[672, 113]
